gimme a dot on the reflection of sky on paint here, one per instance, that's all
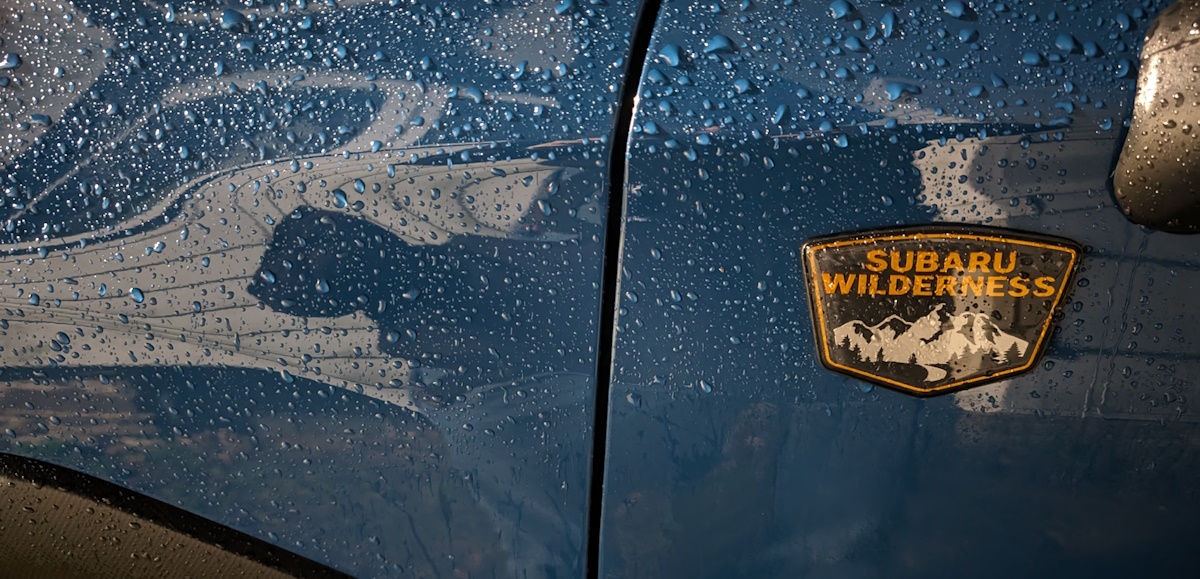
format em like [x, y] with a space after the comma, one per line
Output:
[253, 114]
[192, 273]
[184, 156]
[69, 55]
[249, 83]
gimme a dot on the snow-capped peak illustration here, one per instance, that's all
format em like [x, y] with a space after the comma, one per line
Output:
[935, 339]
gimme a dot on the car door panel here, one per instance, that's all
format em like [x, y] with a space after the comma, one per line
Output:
[732, 451]
[326, 273]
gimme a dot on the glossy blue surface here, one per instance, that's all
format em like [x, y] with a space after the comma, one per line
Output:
[330, 274]
[327, 273]
[732, 452]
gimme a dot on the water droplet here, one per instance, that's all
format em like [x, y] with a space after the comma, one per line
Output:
[671, 54]
[467, 93]
[840, 9]
[1032, 59]
[888, 24]
[137, 295]
[231, 19]
[782, 115]
[11, 60]
[1124, 68]
[719, 43]
[1123, 21]
[896, 90]
[1066, 43]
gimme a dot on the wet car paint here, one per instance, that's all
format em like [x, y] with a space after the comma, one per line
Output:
[732, 452]
[326, 273]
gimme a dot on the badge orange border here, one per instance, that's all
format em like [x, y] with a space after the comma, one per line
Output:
[966, 232]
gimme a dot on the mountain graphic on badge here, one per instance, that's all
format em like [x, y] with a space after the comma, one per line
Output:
[935, 309]
[941, 344]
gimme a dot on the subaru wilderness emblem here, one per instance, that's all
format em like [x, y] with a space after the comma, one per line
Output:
[931, 309]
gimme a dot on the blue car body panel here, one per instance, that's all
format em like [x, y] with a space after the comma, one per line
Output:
[333, 274]
[326, 273]
[733, 452]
